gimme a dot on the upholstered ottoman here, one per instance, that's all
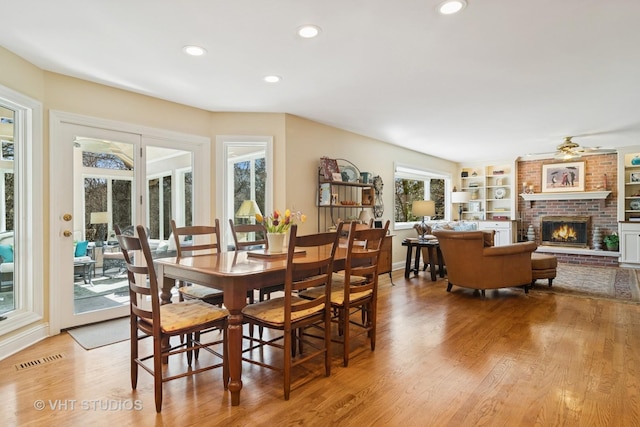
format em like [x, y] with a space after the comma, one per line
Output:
[543, 266]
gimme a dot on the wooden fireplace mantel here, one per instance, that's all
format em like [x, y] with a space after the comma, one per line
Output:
[581, 195]
[577, 195]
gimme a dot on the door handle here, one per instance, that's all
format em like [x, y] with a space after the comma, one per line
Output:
[67, 217]
[67, 233]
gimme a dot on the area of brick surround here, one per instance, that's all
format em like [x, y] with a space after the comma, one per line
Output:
[591, 260]
[603, 213]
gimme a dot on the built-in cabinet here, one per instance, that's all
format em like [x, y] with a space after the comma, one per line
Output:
[505, 231]
[493, 193]
[629, 243]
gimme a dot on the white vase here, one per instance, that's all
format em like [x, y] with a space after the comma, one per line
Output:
[597, 239]
[531, 234]
[276, 242]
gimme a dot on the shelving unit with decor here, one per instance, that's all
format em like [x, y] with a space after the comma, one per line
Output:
[631, 174]
[491, 188]
[473, 181]
[342, 200]
[629, 205]
[346, 199]
[493, 198]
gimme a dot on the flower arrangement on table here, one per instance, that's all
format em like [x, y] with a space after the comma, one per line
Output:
[277, 223]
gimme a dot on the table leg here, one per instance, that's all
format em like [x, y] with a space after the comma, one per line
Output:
[416, 270]
[407, 266]
[432, 264]
[235, 298]
[86, 273]
[234, 350]
[440, 261]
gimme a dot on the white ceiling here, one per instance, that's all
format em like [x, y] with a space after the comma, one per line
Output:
[500, 79]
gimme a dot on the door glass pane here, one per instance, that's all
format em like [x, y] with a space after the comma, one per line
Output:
[121, 194]
[166, 207]
[188, 195]
[7, 211]
[106, 169]
[170, 193]
[154, 208]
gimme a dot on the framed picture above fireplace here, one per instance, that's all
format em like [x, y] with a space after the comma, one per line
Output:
[563, 177]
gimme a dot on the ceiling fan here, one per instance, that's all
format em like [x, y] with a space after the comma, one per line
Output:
[570, 150]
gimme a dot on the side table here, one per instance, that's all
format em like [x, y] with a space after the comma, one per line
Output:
[433, 250]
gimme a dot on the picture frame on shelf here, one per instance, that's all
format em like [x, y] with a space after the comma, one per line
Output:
[329, 169]
[563, 177]
[634, 177]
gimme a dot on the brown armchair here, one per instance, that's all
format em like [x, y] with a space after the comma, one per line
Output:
[471, 263]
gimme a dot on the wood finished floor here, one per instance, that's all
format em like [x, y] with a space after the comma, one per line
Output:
[442, 359]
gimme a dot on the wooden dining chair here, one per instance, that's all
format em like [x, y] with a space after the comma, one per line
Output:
[354, 290]
[160, 322]
[290, 314]
[255, 238]
[197, 245]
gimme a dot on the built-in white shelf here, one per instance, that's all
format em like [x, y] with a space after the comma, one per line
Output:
[583, 195]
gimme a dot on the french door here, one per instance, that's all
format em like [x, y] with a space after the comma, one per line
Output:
[105, 174]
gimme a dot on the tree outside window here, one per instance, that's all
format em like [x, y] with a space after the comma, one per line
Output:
[411, 187]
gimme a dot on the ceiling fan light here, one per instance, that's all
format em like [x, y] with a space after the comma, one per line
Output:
[567, 155]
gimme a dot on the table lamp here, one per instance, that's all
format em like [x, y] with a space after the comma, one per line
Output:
[423, 208]
[248, 209]
[99, 218]
[460, 197]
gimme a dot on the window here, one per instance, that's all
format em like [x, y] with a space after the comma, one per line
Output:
[412, 184]
[244, 171]
[249, 180]
[21, 281]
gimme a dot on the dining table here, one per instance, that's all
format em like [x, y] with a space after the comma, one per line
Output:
[234, 273]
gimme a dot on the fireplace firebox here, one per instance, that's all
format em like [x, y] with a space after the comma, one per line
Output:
[565, 231]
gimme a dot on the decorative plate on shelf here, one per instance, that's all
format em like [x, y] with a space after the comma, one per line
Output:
[635, 204]
[499, 193]
[349, 173]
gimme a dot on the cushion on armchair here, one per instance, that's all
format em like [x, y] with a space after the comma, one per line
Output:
[6, 252]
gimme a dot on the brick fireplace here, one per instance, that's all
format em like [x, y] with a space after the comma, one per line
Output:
[600, 213]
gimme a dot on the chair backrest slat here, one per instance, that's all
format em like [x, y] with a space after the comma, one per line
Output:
[259, 235]
[198, 233]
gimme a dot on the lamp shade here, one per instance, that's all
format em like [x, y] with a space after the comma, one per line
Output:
[460, 197]
[99, 217]
[248, 209]
[423, 208]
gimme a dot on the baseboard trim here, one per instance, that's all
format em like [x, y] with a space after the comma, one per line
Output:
[15, 343]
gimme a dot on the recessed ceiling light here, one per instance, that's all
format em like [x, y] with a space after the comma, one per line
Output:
[308, 31]
[272, 79]
[451, 6]
[194, 50]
